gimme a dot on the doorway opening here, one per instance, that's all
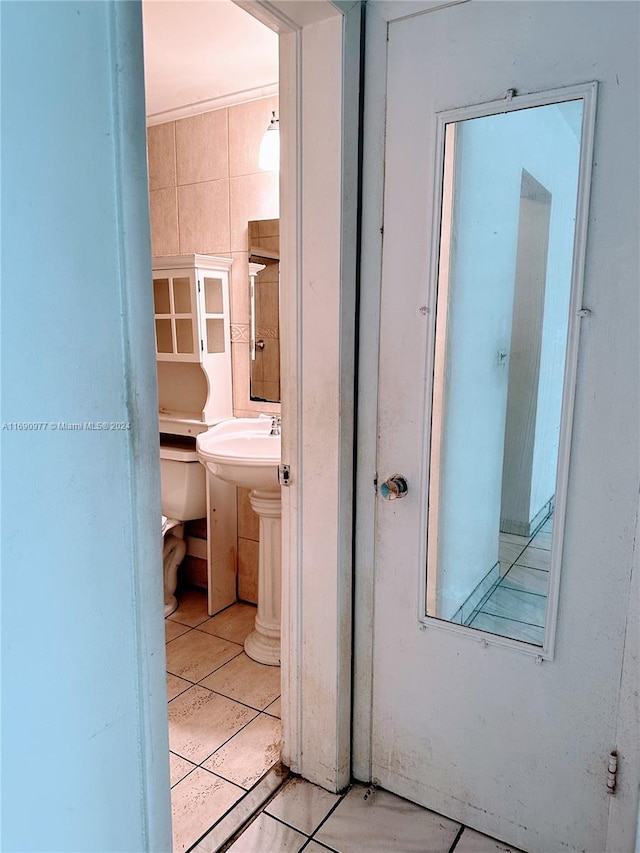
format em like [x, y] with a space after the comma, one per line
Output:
[211, 74]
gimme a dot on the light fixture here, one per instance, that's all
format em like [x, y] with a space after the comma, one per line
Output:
[269, 157]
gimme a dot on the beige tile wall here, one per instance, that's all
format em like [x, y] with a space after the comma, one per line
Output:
[205, 185]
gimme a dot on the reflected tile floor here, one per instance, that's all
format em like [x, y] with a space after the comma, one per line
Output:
[304, 817]
[224, 709]
[516, 606]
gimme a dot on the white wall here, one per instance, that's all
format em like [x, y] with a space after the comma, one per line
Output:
[84, 739]
[490, 155]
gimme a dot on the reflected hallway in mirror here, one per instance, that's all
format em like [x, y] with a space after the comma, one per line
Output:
[508, 212]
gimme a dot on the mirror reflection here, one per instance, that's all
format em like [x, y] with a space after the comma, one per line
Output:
[264, 250]
[504, 282]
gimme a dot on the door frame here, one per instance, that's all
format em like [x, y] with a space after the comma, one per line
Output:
[319, 107]
[623, 832]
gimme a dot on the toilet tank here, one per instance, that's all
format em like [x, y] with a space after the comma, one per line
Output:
[183, 484]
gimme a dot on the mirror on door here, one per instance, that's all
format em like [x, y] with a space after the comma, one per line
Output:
[499, 400]
[264, 252]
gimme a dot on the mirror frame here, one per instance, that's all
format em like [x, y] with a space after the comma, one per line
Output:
[512, 102]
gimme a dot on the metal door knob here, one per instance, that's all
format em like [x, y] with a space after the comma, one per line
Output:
[395, 487]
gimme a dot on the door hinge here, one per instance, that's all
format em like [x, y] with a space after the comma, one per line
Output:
[198, 285]
[284, 475]
[371, 790]
[612, 772]
[201, 345]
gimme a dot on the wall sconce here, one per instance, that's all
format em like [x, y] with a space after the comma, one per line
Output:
[269, 157]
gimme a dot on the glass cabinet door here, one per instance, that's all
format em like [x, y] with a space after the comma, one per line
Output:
[177, 336]
[213, 297]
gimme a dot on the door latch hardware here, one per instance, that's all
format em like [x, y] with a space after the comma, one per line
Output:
[284, 475]
[612, 772]
[395, 487]
[584, 312]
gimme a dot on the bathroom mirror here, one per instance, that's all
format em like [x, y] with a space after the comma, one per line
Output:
[503, 360]
[264, 250]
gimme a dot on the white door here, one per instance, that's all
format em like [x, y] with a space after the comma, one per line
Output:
[501, 579]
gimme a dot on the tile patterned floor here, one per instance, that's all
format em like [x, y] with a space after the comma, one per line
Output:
[224, 737]
[516, 606]
[224, 709]
[303, 817]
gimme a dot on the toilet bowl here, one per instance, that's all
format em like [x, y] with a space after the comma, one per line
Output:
[183, 497]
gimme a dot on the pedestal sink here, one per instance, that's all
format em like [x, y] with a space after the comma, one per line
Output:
[246, 452]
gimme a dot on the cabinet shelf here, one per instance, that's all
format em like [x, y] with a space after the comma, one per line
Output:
[193, 341]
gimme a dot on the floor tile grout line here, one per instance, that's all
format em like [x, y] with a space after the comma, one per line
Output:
[310, 837]
[255, 814]
[536, 547]
[184, 624]
[313, 835]
[213, 634]
[283, 822]
[208, 675]
[231, 698]
[524, 566]
[223, 816]
[182, 778]
[524, 591]
[206, 633]
[527, 591]
[478, 608]
[225, 743]
[532, 568]
[175, 621]
[510, 619]
[211, 773]
[186, 684]
[320, 844]
[199, 682]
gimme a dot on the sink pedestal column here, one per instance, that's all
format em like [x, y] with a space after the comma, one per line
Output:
[263, 644]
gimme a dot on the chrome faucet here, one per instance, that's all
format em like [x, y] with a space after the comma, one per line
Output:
[275, 425]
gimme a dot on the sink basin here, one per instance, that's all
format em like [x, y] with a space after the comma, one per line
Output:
[242, 452]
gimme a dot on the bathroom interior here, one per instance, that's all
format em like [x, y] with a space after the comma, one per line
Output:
[214, 211]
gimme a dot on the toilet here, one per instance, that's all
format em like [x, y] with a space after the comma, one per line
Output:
[184, 498]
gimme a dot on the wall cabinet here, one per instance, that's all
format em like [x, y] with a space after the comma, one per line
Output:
[193, 341]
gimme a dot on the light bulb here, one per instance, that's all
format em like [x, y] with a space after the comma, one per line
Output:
[269, 157]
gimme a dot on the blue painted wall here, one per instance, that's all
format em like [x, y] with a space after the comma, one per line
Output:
[84, 739]
[490, 155]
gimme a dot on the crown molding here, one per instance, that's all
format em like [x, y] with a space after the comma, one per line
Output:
[231, 100]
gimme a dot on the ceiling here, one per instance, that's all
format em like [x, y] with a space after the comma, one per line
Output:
[204, 54]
